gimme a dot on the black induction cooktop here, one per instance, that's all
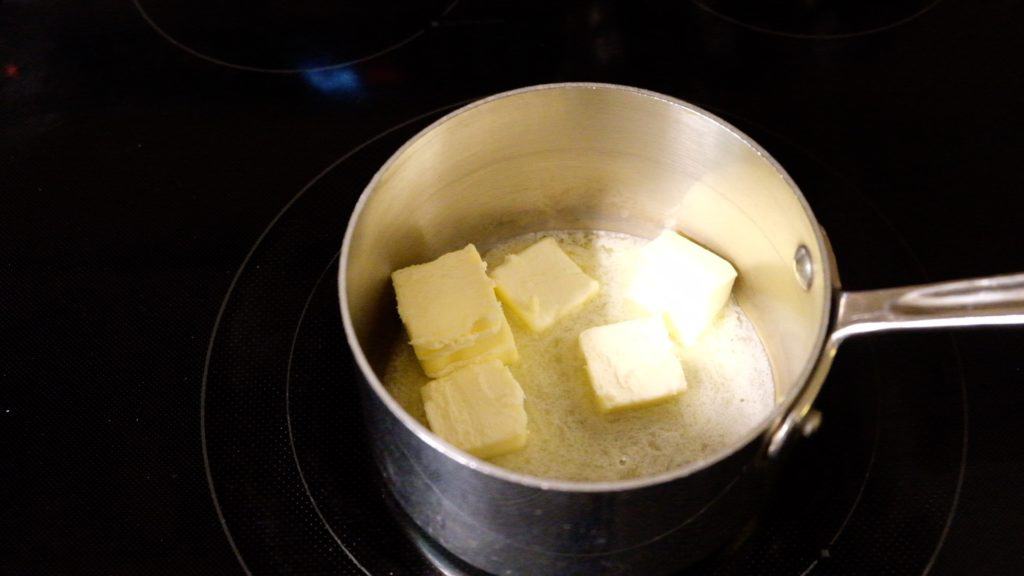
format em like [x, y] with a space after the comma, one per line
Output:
[175, 179]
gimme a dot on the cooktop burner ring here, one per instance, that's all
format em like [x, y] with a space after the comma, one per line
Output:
[227, 298]
[750, 23]
[439, 562]
[320, 487]
[288, 418]
[174, 41]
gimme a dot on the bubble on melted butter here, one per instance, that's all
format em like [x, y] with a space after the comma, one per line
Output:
[730, 387]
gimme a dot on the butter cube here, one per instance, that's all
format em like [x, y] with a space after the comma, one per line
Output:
[541, 284]
[450, 311]
[478, 408]
[631, 364]
[682, 280]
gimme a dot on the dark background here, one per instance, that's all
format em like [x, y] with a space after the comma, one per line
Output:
[135, 176]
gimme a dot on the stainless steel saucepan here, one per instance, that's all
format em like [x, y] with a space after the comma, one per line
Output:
[604, 157]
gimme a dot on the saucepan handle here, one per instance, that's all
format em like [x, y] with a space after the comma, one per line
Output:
[991, 301]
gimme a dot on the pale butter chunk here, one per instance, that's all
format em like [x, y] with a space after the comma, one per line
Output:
[682, 280]
[631, 364]
[450, 311]
[542, 284]
[478, 408]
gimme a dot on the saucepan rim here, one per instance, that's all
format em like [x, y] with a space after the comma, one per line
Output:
[769, 423]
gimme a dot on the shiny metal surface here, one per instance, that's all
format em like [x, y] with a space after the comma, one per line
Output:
[593, 156]
[993, 301]
[803, 267]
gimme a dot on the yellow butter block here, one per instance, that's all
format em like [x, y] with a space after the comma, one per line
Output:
[682, 280]
[542, 284]
[500, 345]
[478, 408]
[631, 364]
[451, 314]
